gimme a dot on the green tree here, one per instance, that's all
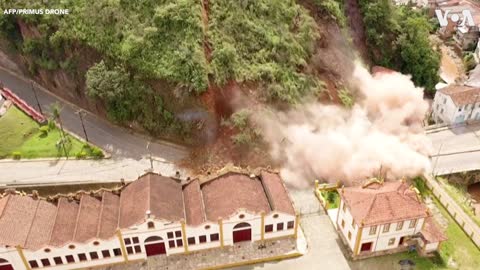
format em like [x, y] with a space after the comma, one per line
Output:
[418, 57]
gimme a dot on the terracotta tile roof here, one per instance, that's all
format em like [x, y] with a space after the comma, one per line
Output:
[194, 208]
[109, 215]
[277, 193]
[383, 203]
[42, 225]
[17, 217]
[35, 223]
[65, 220]
[87, 219]
[461, 95]
[432, 232]
[161, 195]
[223, 196]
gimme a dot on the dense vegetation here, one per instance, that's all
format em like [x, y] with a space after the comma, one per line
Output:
[176, 42]
[267, 41]
[398, 37]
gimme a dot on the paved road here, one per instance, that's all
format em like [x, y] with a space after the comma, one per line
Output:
[59, 172]
[323, 242]
[116, 140]
[456, 149]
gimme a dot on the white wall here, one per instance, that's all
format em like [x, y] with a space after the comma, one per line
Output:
[11, 255]
[84, 248]
[347, 218]
[451, 111]
[201, 230]
[380, 239]
[161, 229]
[444, 102]
[142, 232]
[228, 224]
[274, 219]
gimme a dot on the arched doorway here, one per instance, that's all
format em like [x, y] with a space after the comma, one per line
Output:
[5, 265]
[154, 245]
[242, 232]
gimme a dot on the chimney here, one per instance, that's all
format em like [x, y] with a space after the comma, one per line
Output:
[147, 214]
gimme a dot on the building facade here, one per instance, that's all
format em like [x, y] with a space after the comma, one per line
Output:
[152, 216]
[456, 104]
[381, 217]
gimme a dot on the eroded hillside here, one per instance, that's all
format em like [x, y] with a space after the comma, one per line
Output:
[147, 62]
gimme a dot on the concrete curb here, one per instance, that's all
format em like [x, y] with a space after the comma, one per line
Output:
[455, 153]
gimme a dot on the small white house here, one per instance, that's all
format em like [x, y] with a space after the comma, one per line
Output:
[152, 216]
[380, 218]
[456, 104]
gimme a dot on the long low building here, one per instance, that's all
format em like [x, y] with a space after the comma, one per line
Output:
[153, 215]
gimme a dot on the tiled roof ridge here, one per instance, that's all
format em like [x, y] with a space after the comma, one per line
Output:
[31, 223]
[204, 213]
[119, 208]
[100, 215]
[271, 204]
[370, 207]
[183, 208]
[78, 216]
[6, 203]
[55, 222]
[149, 186]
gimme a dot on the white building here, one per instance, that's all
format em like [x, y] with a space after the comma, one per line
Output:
[152, 216]
[456, 104]
[381, 218]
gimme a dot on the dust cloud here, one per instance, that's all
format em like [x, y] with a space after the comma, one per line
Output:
[381, 133]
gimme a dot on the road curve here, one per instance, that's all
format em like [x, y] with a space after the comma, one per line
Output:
[118, 141]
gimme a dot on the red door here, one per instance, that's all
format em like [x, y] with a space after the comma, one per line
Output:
[154, 249]
[366, 247]
[4, 265]
[242, 235]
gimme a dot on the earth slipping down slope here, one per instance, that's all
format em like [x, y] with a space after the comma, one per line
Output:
[173, 50]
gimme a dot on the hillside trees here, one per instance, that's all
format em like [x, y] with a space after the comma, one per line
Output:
[128, 99]
[398, 38]
[265, 41]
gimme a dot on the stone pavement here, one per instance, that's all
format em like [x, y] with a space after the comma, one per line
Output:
[245, 251]
[324, 250]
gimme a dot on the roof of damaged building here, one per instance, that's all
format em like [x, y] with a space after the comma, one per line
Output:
[432, 232]
[461, 94]
[33, 222]
[379, 203]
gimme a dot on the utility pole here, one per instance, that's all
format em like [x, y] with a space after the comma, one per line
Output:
[36, 97]
[80, 114]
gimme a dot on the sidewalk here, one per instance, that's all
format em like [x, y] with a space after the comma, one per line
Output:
[72, 171]
[465, 222]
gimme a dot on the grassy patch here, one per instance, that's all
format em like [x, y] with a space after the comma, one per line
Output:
[460, 195]
[331, 197]
[22, 137]
[459, 246]
[15, 128]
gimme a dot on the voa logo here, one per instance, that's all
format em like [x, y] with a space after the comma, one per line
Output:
[466, 20]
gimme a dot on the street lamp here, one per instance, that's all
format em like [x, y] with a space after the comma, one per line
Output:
[36, 97]
[81, 113]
